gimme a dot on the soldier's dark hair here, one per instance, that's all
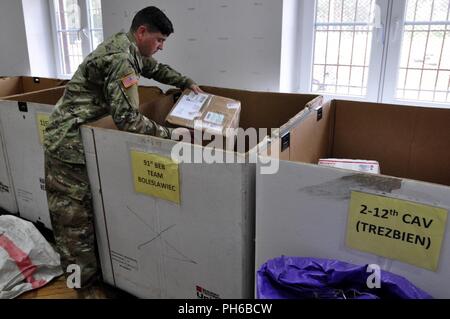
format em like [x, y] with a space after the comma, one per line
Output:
[154, 19]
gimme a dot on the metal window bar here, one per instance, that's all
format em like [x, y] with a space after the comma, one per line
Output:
[339, 45]
[409, 53]
[426, 46]
[441, 54]
[365, 53]
[353, 47]
[326, 45]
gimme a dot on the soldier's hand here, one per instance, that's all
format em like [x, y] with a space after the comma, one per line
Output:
[196, 89]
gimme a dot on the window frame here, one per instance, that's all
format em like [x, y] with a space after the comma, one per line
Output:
[84, 32]
[385, 56]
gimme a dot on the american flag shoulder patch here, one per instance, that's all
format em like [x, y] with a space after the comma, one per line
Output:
[130, 80]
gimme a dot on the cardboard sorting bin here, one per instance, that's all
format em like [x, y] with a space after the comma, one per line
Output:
[170, 229]
[9, 86]
[24, 118]
[397, 220]
[14, 85]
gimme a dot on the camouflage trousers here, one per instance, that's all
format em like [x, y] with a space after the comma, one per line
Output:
[70, 205]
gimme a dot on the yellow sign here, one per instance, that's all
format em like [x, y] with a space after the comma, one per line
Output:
[156, 176]
[398, 229]
[42, 121]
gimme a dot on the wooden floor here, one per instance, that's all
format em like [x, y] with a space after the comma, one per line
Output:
[57, 289]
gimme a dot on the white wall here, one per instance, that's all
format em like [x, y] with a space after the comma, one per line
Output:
[39, 37]
[288, 73]
[228, 43]
[13, 41]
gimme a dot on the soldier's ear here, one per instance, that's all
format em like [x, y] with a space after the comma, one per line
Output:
[140, 32]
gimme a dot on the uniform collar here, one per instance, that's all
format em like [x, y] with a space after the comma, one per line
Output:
[134, 50]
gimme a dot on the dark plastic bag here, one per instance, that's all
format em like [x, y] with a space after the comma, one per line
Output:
[311, 278]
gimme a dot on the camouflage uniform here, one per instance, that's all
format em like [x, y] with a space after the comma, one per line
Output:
[104, 84]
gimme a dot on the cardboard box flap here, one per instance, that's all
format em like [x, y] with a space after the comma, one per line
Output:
[10, 86]
[264, 109]
[313, 139]
[30, 84]
[149, 93]
[48, 96]
[408, 142]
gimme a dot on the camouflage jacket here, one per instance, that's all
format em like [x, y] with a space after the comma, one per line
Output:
[106, 83]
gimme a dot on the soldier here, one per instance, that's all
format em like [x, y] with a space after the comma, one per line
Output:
[106, 83]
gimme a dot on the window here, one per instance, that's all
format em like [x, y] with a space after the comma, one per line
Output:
[78, 31]
[423, 71]
[343, 40]
[391, 51]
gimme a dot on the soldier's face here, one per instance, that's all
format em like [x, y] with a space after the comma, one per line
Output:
[149, 42]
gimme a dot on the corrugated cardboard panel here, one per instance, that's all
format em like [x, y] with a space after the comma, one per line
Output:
[26, 84]
[312, 139]
[10, 86]
[149, 93]
[408, 142]
[174, 248]
[264, 109]
[47, 96]
[31, 84]
[430, 149]
[158, 249]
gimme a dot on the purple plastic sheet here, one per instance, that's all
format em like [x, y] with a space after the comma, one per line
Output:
[312, 278]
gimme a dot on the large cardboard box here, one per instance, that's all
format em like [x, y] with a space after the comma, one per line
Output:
[304, 210]
[14, 86]
[24, 118]
[194, 237]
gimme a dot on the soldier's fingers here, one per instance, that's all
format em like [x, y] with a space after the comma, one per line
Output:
[196, 89]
